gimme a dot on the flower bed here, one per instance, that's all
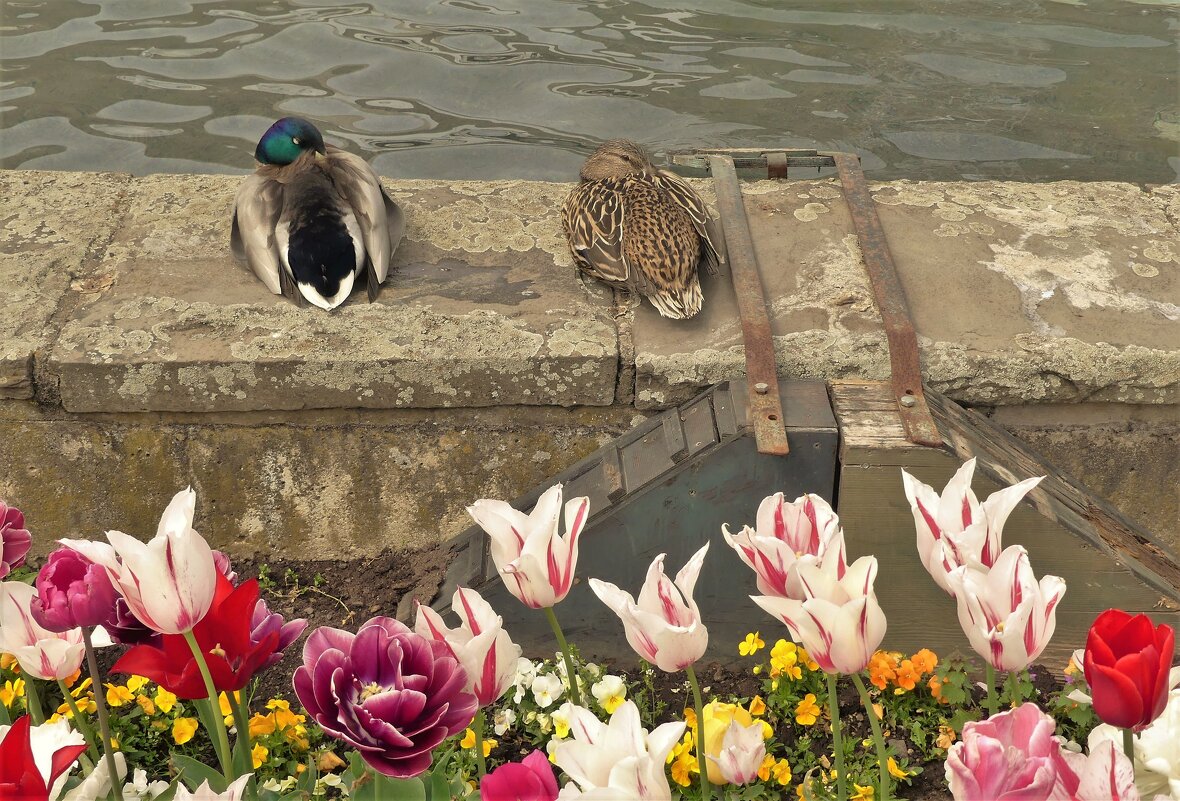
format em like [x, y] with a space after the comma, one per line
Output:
[376, 709]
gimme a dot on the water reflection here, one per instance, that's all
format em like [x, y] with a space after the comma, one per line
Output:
[523, 88]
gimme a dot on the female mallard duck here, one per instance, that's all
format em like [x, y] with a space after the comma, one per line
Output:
[312, 217]
[640, 228]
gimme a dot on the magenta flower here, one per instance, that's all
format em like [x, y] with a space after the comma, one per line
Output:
[264, 622]
[1009, 756]
[14, 539]
[72, 592]
[389, 693]
[531, 779]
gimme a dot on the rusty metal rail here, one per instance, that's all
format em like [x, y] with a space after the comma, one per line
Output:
[766, 411]
[904, 359]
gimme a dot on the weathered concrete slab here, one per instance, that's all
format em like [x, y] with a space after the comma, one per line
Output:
[52, 223]
[483, 309]
[1020, 293]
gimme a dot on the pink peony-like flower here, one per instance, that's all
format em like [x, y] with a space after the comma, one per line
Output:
[14, 539]
[389, 693]
[1009, 756]
[72, 592]
[531, 779]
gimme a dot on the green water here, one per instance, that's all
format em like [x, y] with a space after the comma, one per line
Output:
[524, 88]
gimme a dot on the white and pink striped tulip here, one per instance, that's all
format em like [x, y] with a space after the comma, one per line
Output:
[784, 533]
[838, 621]
[954, 528]
[480, 643]
[168, 582]
[1008, 616]
[535, 562]
[664, 626]
[43, 654]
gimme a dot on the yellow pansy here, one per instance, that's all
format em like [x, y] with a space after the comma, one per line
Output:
[136, 683]
[684, 765]
[468, 740]
[807, 710]
[262, 725]
[757, 706]
[165, 700]
[117, 695]
[8, 662]
[11, 691]
[81, 688]
[807, 661]
[183, 730]
[690, 718]
[895, 771]
[764, 768]
[863, 792]
[258, 755]
[784, 660]
[751, 645]
[782, 772]
[73, 677]
[146, 704]
[223, 703]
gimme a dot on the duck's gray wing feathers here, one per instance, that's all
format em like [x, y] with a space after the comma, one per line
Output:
[252, 236]
[379, 217]
[593, 220]
[713, 253]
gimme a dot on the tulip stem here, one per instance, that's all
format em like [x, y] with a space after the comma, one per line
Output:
[572, 677]
[989, 674]
[700, 738]
[33, 701]
[80, 722]
[242, 719]
[104, 725]
[1129, 744]
[878, 740]
[222, 742]
[837, 738]
[478, 726]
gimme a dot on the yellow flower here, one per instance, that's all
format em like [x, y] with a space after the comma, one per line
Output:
[117, 695]
[807, 661]
[757, 706]
[782, 772]
[807, 710]
[751, 645]
[81, 688]
[183, 730]
[718, 716]
[683, 766]
[685, 744]
[895, 771]
[863, 792]
[258, 755]
[136, 683]
[925, 661]
[262, 725]
[223, 704]
[784, 660]
[11, 691]
[690, 718]
[946, 737]
[145, 704]
[468, 740]
[8, 662]
[165, 700]
[764, 768]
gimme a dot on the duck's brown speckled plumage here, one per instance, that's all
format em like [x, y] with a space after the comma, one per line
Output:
[640, 228]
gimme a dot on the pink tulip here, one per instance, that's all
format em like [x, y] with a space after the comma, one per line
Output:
[72, 592]
[1008, 616]
[1011, 756]
[785, 532]
[481, 644]
[169, 582]
[839, 621]
[41, 653]
[14, 539]
[665, 626]
[743, 750]
[955, 528]
[536, 563]
[531, 779]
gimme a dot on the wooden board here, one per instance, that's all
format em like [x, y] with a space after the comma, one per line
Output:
[1101, 570]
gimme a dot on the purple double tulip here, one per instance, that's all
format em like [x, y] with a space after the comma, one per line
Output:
[389, 693]
[72, 592]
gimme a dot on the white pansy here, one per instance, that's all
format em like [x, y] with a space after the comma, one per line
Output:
[546, 689]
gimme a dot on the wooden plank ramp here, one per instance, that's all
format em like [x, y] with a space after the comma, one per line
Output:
[1106, 559]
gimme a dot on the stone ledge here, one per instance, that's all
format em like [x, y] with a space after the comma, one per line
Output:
[124, 291]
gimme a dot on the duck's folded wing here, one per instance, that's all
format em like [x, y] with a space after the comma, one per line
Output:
[593, 219]
[713, 254]
[379, 217]
[252, 235]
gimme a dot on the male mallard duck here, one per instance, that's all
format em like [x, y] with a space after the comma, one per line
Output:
[640, 228]
[312, 216]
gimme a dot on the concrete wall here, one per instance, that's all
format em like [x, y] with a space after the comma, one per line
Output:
[136, 356]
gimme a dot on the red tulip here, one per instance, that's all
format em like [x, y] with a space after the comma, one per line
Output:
[531, 779]
[224, 636]
[19, 775]
[1127, 664]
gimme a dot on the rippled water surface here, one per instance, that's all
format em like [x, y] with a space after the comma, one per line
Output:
[524, 88]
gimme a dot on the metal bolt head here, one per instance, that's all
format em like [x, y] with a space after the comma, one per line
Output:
[909, 401]
[761, 388]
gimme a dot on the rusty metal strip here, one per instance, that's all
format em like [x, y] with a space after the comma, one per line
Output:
[766, 412]
[776, 165]
[905, 368]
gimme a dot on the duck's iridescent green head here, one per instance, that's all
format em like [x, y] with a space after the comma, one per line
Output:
[286, 139]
